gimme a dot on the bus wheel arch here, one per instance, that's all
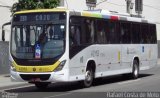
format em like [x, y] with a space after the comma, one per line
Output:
[91, 64]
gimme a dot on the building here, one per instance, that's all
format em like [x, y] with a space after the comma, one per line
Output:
[151, 10]
[5, 15]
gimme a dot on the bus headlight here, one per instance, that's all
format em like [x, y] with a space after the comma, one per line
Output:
[12, 66]
[60, 66]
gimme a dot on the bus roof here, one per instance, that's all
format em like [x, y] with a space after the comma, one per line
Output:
[114, 16]
[97, 14]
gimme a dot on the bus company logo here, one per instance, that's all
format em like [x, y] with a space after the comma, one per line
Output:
[9, 95]
[34, 69]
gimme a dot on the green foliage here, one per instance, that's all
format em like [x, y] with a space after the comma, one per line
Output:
[34, 4]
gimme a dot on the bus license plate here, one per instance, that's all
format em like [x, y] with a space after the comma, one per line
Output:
[35, 80]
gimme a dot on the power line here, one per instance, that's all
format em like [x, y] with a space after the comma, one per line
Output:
[151, 7]
[109, 3]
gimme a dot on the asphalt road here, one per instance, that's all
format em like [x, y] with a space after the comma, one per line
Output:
[149, 81]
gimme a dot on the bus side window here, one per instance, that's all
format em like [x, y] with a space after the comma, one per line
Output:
[74, 36]
[152, 32]
[101, 32]
[125, 32]
[92, 32]
[87, 32]
[144, 33]
[136, 33]
[114, 36]
[111, 33]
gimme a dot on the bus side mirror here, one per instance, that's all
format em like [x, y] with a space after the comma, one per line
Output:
[3, 31]
[3, 35]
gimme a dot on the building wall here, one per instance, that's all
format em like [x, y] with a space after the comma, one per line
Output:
[5, 16]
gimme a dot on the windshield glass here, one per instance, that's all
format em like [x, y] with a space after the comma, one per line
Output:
[38, 40]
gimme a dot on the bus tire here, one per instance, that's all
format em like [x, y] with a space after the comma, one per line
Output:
[41, 85]
[135, 69]
[89, 75]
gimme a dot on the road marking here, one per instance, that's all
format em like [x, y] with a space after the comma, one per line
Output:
[130, 81]
[30, 85]
[58, 95]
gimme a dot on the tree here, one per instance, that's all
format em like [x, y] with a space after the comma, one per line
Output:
[34, 4]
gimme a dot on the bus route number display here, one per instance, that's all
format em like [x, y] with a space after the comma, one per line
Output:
[23, 18]
[36, 17]
[42, 17]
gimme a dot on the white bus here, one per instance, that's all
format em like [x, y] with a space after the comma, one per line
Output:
[59, 45]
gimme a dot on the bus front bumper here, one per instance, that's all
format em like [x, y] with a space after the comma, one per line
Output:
[60, 76]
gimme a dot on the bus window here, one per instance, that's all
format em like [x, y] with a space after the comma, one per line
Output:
[75, 31]
[92, 34]
[135, 33]
[88, 35]
[74, 35]
[114, 36]
[153, 35]
[101, 32]
[144, 33]
[125, 32]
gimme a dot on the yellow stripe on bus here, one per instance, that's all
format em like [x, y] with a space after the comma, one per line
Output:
[30, 69]
[42, 10]
[119, 56]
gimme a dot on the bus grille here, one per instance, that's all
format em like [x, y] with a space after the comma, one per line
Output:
[33, 76]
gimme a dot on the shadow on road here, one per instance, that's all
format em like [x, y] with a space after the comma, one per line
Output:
[65, 87]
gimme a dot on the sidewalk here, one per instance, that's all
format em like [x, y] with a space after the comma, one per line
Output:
[5, 80]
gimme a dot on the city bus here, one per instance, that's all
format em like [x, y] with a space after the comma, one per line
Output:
[61, 45]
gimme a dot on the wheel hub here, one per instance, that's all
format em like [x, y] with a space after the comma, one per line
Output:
[136, 70]
[88, 76]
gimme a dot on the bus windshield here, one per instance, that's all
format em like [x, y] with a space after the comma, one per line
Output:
[39, 38]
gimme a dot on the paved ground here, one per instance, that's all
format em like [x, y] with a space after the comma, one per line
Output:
[149, 81]
[6, 82]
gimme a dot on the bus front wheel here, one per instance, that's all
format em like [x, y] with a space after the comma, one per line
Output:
[89, 75]
[88, 81]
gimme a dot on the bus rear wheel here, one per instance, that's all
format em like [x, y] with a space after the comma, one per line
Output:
[135, 69]
[41, 85]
